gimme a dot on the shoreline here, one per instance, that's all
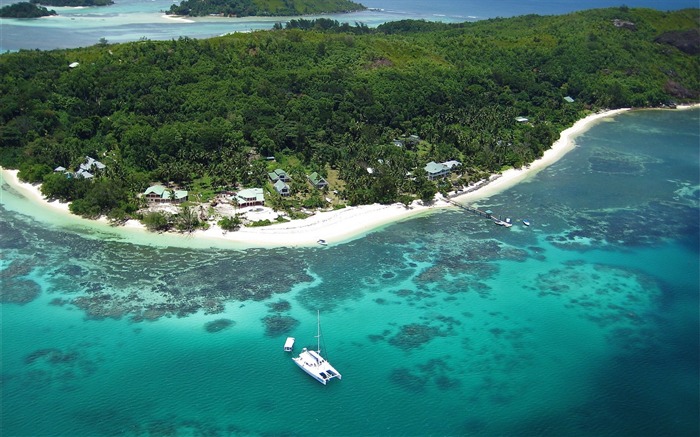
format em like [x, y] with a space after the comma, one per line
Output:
[335, 227]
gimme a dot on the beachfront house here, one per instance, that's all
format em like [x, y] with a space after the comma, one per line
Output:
[160, 194]
[279, 175]
[317, 181]
[250, 197]
[436, 170]
[89, 168]
[92, 165]
[84, 174]
[282, 188]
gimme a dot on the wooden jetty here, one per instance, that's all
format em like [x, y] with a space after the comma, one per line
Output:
[487, 214]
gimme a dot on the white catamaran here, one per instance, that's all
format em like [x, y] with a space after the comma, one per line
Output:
[313, 363]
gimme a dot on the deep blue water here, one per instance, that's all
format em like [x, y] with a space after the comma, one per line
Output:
[131, 20]
[583, 324]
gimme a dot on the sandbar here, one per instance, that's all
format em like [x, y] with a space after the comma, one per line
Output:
[334, 227]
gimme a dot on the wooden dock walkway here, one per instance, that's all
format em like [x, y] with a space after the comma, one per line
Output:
[473, 210]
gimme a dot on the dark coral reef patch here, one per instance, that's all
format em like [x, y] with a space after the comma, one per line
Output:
[279, 325]
[218, 325]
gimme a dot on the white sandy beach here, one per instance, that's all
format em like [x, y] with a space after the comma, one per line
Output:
[333, 226]
[178, 18]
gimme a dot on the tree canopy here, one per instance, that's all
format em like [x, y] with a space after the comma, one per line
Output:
[73, 3]
[331, 99]
[25, 10]
[243, 8]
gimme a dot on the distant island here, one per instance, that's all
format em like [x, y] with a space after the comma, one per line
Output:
[244, 8]
[25, 10]
[72, 3]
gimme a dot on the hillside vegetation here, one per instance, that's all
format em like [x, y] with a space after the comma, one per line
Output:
[25, 10]
[330, 98]
[243, 8]
[72, 3]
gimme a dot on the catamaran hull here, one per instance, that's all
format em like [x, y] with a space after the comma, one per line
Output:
[316, 366]
[311, 374]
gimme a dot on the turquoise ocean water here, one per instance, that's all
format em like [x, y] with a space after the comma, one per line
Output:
[583, 324]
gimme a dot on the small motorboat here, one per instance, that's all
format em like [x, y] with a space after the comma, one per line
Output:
[322, 242]
[526, 222]
[505, 223]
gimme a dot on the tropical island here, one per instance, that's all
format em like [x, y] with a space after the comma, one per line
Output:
[72, 3]
[245, 8]
[25, 10]
[320, 115]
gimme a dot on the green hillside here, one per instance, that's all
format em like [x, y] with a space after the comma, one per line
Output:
[25, 10]
[332, 99]
[242, 8]
[73, 3]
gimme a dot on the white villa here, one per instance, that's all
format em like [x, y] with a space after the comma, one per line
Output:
[437, 170]
[250, 197]
[159, 194]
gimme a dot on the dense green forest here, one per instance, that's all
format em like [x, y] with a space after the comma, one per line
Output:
[25, 10]
[73, 3]
[244, 8]
[331, 98]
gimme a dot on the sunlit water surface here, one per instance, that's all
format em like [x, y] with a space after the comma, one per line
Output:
[583, 324]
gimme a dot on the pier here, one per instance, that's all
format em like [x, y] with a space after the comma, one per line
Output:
[487, 214]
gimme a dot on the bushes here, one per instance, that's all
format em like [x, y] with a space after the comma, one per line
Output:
[33, 173]
[156, 221]
[230, 223]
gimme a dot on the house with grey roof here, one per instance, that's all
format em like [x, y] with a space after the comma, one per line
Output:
[91, 164]
[279, 175]
[436, 170]
[160, 194]
[250, 197]
[82, 173]
[282, 188]
[317, 181]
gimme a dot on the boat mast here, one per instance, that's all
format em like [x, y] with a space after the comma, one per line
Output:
[318, 331]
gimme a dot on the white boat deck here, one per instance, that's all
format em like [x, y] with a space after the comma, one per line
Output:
[315, 365]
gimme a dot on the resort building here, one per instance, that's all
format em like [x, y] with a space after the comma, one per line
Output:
[436, 170]
[87, 169]
[250, 197]
[91, 164]
[282, 188]
[279, 175]
[160, 194]
[84, 174]
[317, 181]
